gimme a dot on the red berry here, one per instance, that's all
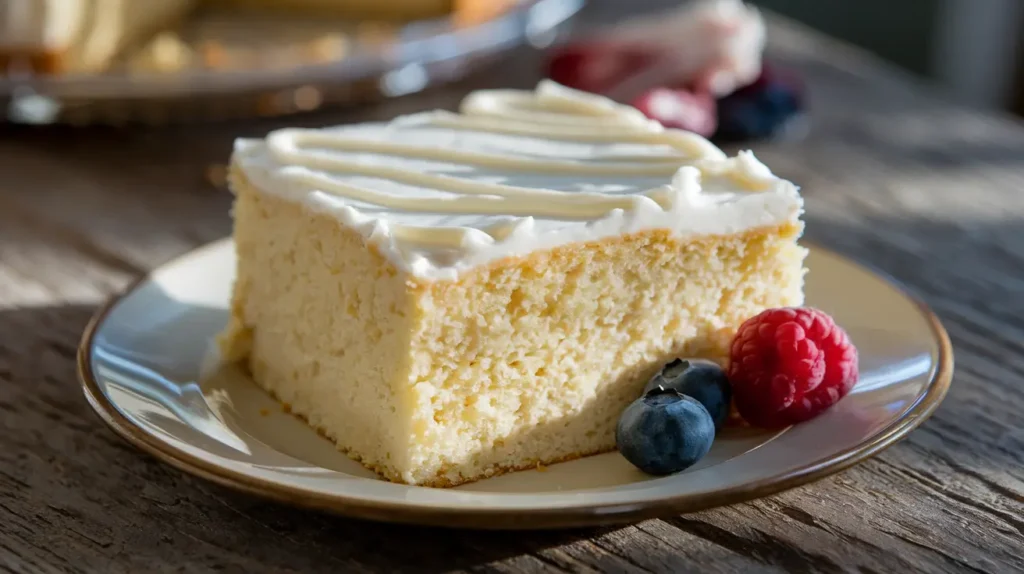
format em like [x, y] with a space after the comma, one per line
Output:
[677, 108]
[596, 67]
[789, 365]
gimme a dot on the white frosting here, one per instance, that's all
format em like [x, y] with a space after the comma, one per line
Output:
[515, 172]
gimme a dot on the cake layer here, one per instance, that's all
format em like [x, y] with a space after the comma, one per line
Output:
[440, 193]
[525, 361]
[79, 35]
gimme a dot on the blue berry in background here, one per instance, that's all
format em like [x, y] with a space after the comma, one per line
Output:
[664, 432]
[703, 380]
[762, 110]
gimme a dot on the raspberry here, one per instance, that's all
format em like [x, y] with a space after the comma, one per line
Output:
[596, 67]
[789, 365]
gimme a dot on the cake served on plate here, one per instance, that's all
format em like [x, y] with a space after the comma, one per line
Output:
[450, 296]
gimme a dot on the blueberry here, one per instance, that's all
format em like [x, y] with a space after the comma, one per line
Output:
[664, 432]
[779, 100]
[742, 120]
[764, 110]
[702, 380]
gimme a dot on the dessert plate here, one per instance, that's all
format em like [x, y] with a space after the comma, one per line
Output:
[147, 367]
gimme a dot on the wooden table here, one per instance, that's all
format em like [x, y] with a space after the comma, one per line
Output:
[927, 191]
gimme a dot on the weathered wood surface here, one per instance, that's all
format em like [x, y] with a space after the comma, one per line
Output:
[931, 193]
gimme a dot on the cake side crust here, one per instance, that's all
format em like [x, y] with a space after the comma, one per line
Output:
[320, 321]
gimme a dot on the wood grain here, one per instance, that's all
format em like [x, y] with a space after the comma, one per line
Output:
[894, 176]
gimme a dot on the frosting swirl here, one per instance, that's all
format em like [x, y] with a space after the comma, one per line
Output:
[512, 172]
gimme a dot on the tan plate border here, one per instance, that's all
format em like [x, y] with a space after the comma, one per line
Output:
[591, 515]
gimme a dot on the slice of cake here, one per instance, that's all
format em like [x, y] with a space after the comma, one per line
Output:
[449, 296]
[71, 36]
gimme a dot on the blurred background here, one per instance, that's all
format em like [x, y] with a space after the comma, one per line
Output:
[160, 61]
[972, 48]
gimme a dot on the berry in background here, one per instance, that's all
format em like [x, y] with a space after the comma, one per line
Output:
[763, 110]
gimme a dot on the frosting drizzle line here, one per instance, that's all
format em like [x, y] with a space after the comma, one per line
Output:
[316, 160]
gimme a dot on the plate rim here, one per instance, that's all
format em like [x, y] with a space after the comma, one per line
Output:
[596, 514]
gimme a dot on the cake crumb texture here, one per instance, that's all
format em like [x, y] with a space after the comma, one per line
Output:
[523, 362]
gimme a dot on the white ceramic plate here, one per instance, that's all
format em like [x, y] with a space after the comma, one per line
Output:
[144, 362]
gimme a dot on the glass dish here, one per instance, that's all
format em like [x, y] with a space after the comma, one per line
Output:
[214, 69]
